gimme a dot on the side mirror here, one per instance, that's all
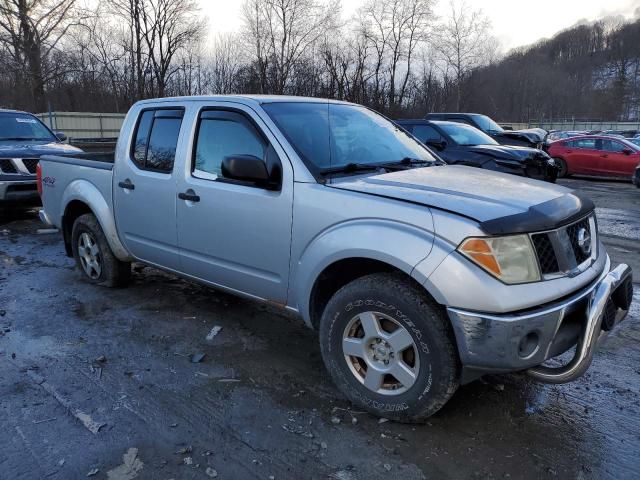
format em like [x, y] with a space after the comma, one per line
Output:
[437, 144]
[61, 136]
[627, 151]
[247, 168]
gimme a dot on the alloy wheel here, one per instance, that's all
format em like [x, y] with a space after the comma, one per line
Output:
[381, 353]
[89, 255]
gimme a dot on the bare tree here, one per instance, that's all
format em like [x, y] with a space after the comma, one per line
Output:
[463, 42]
[281, 32]
[130, 12]
[168, 27]
[30, 31]
[395, 28]
[225, 59]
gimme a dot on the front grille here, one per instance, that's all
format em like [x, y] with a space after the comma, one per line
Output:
[30, 164]
[559, 251]
[572, 232]
[546, 253]
[7, 166]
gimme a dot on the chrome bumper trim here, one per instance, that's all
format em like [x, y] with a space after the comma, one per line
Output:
[590, 334]
[44, 218]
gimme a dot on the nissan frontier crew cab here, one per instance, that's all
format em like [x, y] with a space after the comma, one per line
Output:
[418, 276]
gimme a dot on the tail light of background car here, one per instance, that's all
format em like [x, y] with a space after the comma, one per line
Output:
[39, 178]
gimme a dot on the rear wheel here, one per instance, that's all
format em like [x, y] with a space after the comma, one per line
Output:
[563, 171]
[389, 348]
[93, 255]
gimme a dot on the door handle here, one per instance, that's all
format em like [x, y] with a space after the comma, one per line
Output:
[127, 185]
[189, 196]
[569, 151]
[605, 156]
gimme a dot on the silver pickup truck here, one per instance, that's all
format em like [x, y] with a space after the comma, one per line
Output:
[418, 276]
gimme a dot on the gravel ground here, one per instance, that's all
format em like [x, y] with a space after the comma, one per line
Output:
[101, 383]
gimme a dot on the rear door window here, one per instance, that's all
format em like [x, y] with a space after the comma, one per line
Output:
[584, 143]
[156, 139]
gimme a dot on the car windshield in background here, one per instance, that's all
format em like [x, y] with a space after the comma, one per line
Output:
[23, 127]
[488, 125]
[329, 135]
[466, 135]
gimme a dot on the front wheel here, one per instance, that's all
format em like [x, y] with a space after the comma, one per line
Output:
[390, 348]
[93, 255]
[563, 170]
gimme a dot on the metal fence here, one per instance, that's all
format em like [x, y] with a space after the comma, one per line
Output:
[568, 125]
[107, 125]
[83, 124]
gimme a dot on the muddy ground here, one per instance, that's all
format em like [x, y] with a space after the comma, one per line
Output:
[100, 382]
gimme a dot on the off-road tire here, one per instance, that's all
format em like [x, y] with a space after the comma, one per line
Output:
[114, 272]
[429, 327]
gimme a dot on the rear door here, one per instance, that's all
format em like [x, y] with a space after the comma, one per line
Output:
[231, 234]
[145, 188]
[582, 155]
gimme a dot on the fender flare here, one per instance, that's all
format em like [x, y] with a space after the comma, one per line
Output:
[87, 193]
[397, 244]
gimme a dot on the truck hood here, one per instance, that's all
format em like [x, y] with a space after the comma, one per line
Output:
[499, 202]
[532, 135]
[34, 149]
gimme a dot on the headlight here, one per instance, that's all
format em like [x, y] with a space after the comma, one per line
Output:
[510, 259]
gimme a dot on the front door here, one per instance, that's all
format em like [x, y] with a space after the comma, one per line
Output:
[614, 160]
[232, 234]
[145, 189]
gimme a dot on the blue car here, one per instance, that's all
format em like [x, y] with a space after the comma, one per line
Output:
[23, 140]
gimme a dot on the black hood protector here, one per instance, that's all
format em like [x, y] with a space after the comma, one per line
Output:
[544, 216]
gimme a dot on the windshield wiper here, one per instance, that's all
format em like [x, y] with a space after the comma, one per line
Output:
[406, 162]
[16, 139]
[350, 168]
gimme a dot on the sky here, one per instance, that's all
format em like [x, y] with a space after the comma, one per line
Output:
[515, 22]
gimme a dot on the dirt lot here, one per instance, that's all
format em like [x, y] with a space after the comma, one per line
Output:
[97, 381]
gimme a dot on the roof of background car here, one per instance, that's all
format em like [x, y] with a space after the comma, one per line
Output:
[453, 114]
[245, 99]
[435, 122]
[587, 137]
[8, 110]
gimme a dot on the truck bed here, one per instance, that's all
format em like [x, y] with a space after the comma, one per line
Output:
[75, 177]
[87, 159]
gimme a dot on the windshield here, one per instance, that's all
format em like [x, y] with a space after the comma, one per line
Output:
[23, 127]
[466, 135]
[488, 125]
[328, 135]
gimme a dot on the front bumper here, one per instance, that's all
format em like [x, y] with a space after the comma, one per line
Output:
[22, 192]
[523, 341]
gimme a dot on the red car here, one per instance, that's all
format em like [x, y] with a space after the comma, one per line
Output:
[595, 155]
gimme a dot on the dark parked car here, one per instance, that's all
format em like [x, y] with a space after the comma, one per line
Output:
[23, 140]
[636, 177]
[532, 137]
[596, 155]
[462, 144]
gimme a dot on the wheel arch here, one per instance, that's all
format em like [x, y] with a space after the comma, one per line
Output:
[82, 197]
[339, 273]
[355, 248]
